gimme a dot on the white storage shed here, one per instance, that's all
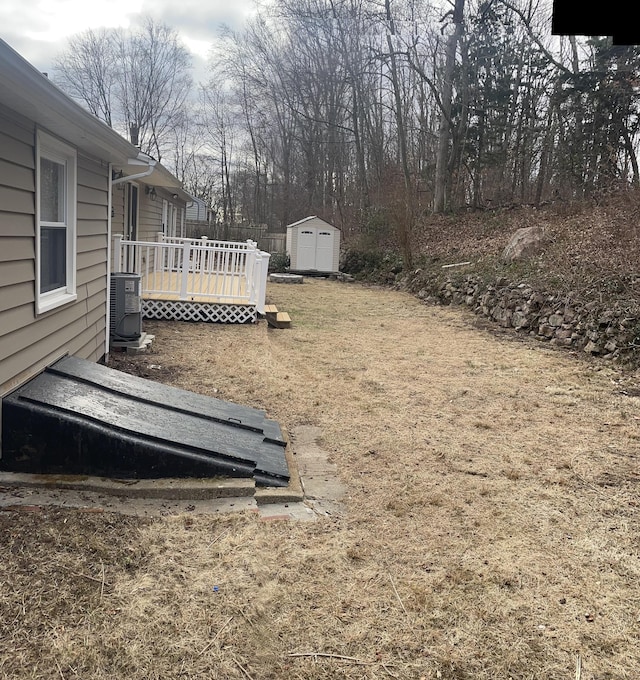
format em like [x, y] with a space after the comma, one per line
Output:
[313, 245]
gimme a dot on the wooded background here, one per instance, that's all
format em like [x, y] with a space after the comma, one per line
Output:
[372, 113]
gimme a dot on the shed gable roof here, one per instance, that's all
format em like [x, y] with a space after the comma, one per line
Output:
[312, 217]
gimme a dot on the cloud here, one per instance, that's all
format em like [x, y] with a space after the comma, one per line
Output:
[64, 18]
[38, 53]
[199, 20]
[39, 29]
[199, 24]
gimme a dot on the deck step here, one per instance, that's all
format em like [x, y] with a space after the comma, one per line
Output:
[281, 320]
[276, 319]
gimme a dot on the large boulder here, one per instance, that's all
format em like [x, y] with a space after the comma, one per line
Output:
[524, 243]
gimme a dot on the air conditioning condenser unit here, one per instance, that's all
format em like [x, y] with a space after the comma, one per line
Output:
[125, 307]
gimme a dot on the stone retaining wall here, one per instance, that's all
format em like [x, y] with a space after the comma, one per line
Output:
[611, 333]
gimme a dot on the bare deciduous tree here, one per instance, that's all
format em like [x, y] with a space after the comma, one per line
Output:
[137, 82]
[369, 114]
[87, 71]
[154, 84]
[444, 130]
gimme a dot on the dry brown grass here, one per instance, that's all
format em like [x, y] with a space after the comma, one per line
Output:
[490, 530]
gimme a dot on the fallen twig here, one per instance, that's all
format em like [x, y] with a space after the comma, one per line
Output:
[218, 537]
[102, 582]
[242, 668]
[217, 635]
[578, 667]
[397, 595]
[455, 264]
[326, 655]
[393, 675]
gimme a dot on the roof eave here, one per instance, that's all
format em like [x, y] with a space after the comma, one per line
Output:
[28, 92]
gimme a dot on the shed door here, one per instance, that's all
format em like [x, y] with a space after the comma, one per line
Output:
[307, 249]
[324, 251]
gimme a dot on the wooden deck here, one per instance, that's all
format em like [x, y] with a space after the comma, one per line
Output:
[211, 298]
[196, 279]
[204, 288]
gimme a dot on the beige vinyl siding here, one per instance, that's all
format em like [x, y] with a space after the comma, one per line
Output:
[150, 216]
[117, 205]
[14, 224]
[88, 212]
[17, 238]
[92, 266]
[150, 224]
[90, 273]
[117, 218]
[21, 294]
[15, 248]
[149, 211]
[20, 177]
[19, 200]
[14, 273]
[28, 342]
[93, 227]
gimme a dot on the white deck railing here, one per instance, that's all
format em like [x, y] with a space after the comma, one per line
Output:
[202, 269]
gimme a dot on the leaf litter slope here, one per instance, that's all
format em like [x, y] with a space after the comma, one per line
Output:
[490, 528]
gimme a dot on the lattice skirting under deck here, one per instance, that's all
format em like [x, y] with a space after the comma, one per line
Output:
[174, 310]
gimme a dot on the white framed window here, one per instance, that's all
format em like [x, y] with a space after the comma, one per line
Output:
[56, 171]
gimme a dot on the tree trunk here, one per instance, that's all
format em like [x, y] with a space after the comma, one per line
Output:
[444, 132]
[404, 225]
[545, 153]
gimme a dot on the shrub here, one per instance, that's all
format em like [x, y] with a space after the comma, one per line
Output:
[372, 265]
[360, 263]
[279, 262]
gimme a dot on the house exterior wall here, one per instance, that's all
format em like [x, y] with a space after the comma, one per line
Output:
[118, 208]
[177, 203]
[150, 216]
[197, 210]
[149, 211]
[29, 342]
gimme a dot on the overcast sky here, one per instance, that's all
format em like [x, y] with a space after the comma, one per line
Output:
[38, 29]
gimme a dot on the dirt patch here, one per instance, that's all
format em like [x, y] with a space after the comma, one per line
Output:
[490, 526]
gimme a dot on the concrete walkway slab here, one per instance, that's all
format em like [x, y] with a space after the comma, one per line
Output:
[319, 477]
